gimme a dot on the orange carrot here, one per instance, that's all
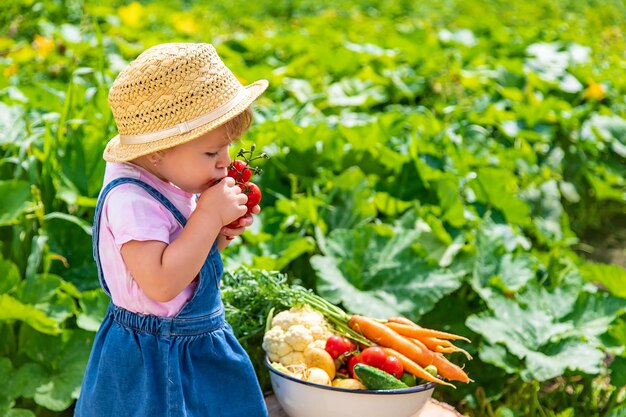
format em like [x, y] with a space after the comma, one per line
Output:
[449, 370]
[453, 349]
[443, 346]
[403, 320]
[383, 335]
[433, 343]
[421, 332]
[413, 368]
[445, 368]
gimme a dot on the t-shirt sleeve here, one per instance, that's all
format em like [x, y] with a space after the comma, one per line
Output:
[132, 214]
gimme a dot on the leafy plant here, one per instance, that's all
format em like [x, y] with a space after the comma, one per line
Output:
[455, 162]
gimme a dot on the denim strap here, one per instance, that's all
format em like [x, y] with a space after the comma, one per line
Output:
[96, 221]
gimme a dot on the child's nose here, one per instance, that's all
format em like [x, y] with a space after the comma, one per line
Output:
[224, 161]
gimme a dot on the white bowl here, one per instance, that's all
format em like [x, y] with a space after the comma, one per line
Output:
[304, 399]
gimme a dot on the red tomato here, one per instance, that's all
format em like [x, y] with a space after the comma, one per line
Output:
[343, 371]
[353, 361]
[374, 356]
[338, 345]
[234, 224]
[393, 366]
[254, 194]
[239, 170]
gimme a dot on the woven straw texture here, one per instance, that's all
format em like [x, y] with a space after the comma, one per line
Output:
[170, 84]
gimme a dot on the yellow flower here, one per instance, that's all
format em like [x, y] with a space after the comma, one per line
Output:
[10, 70]
[594, 91]
[43, 46]
[132, 14]
[185, 23]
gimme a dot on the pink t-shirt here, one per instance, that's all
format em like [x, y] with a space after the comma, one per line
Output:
[130, 213]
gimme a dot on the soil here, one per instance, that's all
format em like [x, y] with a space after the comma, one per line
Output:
[607, 244]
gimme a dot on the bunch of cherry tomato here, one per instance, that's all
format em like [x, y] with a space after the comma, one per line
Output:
[342, 348]
[241, 170]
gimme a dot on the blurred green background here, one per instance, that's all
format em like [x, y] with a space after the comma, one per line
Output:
[464, 166]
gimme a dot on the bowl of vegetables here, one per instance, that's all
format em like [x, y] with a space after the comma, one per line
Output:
[302, 398]
[325, 362]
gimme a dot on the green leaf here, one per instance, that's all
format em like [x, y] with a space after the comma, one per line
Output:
[8, 339]
[12, 309]
[12, 125]
[548, 345]
[520, 328]
[275, 253]
[379, 275]
[389, 205]
[620, 411]
[352, 92]
[286, 250]
[556, 359]
[610, 276]
[515, 271]
[300, 89]
[547, 209]
[68, 237]
[15, 197]
[618, 371]
[72, 219]
[611, 129]
[37, 249]
[9, 276]
[618, 332]
[557, 301]
[568, 412]
[450, 201]
[7, 391]
[19, 412]
[499, 188]
[42, 289]
[28, 377]
[593, 314]
[603, 189]
[496, 270]
[499, 356]
[93, 306]
[301, 210]
[351, 200]
[64, 357]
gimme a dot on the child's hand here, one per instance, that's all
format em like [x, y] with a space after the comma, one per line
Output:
[224, 200]
[242, 223]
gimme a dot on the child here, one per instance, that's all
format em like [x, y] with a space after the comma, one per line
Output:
[164, 348]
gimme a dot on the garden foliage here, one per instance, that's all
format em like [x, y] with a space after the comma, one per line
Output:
[442, 160]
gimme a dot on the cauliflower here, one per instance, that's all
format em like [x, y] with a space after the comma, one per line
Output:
[292, 332]
[294, 358]
[274, 344]
[298, 337]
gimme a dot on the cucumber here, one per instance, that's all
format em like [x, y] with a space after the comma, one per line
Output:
[409, 379]
[377, 379]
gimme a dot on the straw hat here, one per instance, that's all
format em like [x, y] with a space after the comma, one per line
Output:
[170, 94]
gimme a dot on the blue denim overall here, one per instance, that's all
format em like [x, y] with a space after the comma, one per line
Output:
[187, 365]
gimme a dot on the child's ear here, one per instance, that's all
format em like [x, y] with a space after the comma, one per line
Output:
[155, 157]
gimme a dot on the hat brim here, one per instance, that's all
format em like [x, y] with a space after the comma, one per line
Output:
[118, 152]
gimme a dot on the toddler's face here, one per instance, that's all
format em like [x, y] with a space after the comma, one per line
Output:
[196, 165]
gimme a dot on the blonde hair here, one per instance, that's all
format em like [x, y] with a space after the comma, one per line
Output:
[238, 125]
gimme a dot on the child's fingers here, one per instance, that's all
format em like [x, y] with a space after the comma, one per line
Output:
[241, 199]
[246, 220]
[228, 181]
[232, 233]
